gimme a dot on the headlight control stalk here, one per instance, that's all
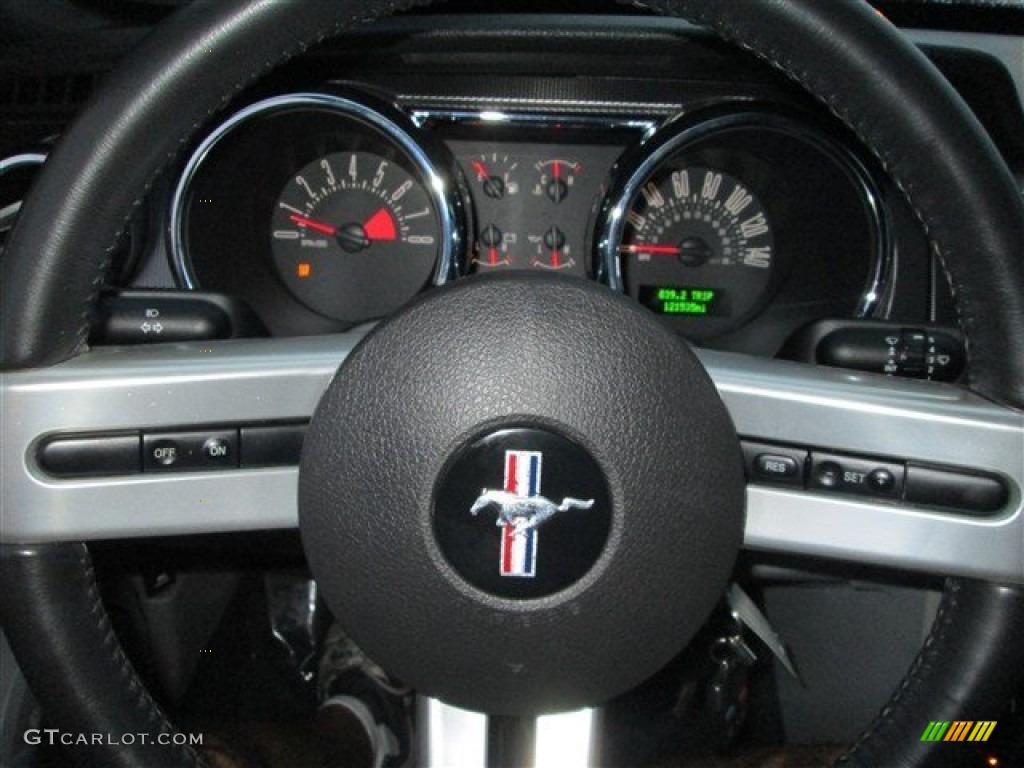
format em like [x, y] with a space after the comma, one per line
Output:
[928, 352]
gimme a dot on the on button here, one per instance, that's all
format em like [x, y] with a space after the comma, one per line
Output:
[216, 449]
[190, 451]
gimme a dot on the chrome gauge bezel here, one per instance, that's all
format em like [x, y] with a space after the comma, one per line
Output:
[567, 123]
[637, 166]
[429, 160]
[9, 165]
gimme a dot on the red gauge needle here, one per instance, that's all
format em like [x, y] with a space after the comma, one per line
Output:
[481, 169]
[380, 226]
[316, 226]
[668, 250]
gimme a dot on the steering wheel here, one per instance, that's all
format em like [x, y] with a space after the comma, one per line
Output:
[376, 463]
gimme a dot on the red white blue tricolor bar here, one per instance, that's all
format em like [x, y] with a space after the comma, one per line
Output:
[519, 547]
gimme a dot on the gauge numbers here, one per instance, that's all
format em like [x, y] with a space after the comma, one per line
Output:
[697, 243]
[533, 201]
[352, 228]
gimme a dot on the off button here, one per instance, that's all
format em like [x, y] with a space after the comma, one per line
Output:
[190, 451]
[162, 453]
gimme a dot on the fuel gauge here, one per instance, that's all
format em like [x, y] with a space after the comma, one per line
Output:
[495, 175]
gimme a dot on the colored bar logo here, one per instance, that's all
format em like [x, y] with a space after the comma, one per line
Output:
[959, 730]
[518, 544]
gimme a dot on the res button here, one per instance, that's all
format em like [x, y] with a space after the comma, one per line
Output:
[776, 467]
[774, 464]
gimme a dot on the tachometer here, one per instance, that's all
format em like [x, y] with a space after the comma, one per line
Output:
[353, 229]
[319, 210]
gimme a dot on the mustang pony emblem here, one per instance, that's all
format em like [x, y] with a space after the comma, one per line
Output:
[525, 512]
[521, 511]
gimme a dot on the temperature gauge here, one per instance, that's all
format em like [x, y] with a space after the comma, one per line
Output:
[557, 178]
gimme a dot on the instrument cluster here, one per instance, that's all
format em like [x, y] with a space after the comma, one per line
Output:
[323, 210]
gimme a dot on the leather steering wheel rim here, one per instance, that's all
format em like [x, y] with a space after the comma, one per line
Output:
[914, 123]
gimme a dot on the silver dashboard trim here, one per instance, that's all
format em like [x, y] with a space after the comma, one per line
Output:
[644, 126]
[449, 737]
[552, 107]
[182, 385]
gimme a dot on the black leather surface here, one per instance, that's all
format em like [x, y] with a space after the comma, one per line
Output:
[876, 82]
[532, 350]
[61, 635]
[969, 669]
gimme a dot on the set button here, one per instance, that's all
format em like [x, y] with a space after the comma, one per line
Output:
[846, 474]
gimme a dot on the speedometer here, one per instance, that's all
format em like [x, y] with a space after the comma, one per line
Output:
[736, 226]
[697, 243]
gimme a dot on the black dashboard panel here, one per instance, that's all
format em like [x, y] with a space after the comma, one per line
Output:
[541, 135]
[533, 200]
[560, 111]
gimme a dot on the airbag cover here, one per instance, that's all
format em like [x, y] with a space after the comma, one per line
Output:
[559, 356]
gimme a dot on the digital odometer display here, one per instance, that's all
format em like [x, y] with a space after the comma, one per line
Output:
[685, 300]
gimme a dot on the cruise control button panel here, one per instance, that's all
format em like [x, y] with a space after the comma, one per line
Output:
[950, 489]
[846, 474]
[958, 490]
[224, 447]
[181, 451]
